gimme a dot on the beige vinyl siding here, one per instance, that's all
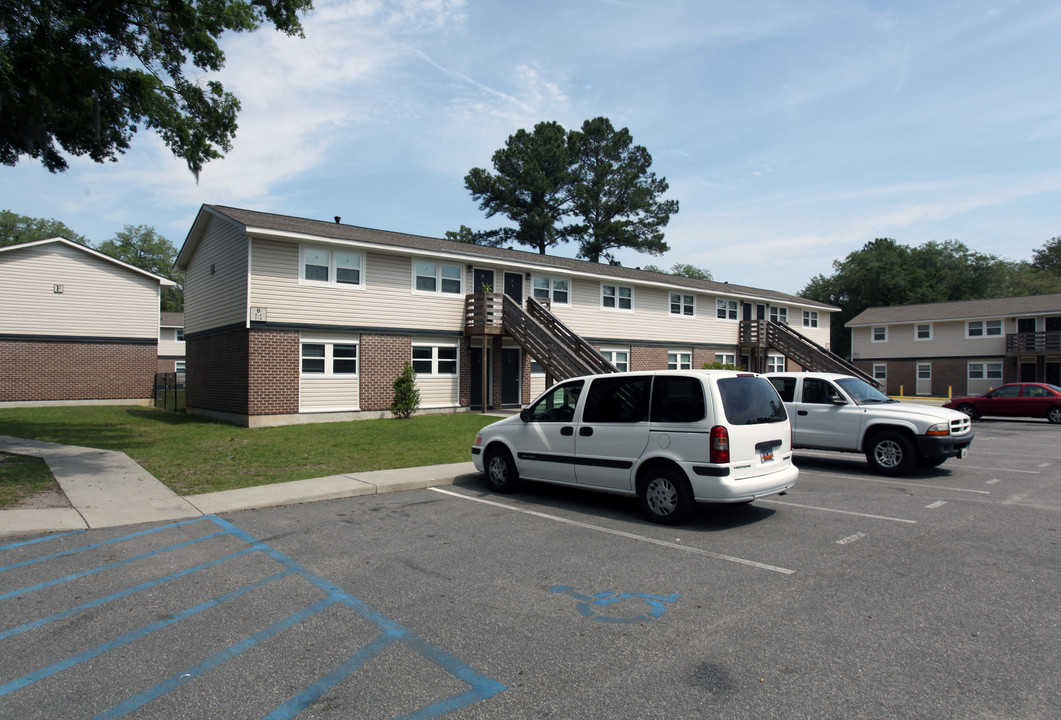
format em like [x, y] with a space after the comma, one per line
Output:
[167, 343]
[386, 300]
[98, 299]
[220, 298]
[438, 390]
[948, 340]
[329, 394]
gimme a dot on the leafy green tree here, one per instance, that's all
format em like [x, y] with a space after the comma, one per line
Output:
[16, 228]
[686, 270]
[86, 76]
[406, 395]
[531, 186]
[615, 198]
[591, 185]
[1048, 257]
[885, 273]
[143, 247]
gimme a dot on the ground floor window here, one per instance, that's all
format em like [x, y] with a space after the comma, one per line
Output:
[726, 358]
[680, 360]
[329, 364]
[435, 359]
[880, 372]
[775, 363]
[619, 357]
[327, 358]
[985, 371]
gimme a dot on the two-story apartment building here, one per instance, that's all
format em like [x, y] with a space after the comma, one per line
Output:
[962, 347]
[76, 326]
[296, 320]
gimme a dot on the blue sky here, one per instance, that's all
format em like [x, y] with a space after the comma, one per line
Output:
[791, 133]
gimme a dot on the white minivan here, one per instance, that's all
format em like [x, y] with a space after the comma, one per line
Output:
[669, 437]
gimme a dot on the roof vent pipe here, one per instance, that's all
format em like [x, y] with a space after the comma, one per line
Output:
[337, 219]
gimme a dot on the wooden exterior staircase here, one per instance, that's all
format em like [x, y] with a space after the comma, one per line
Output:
[763, 334]
[561, 352]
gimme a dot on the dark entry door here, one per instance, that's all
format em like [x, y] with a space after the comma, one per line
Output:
[482, 279]
[514, 286]
[1027, 372]
[511, 371]
[476, 378]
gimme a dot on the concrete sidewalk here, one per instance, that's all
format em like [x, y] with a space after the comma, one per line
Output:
[107, 489]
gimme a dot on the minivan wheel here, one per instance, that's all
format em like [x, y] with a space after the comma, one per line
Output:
[501, 473]
[890, 453]
[1054, 415]
[665, 496]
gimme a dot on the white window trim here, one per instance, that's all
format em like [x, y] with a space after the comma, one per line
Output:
[884, 371]
[435, 346]
[680, 351]
[931, 330]
[608, 353]
[735, 310]
[873, 334]
[984, 334]
[552, 288]
[329, 343]
[810, 318]
[617, 297]
[437, 292]
[726, 358]
[332, 282]
[775, 363]
[776, 312]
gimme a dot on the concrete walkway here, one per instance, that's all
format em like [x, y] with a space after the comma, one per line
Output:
[107, 489]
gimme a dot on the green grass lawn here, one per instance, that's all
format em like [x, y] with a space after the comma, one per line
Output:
[192, 454]
[23, 477]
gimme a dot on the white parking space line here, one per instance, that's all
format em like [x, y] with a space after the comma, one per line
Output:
[619, 533]
[1009, 470]
[993, 481]
[938, 503]
[832, 510]
[899, 482]
[850, 538]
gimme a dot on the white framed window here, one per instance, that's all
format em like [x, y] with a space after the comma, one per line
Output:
[726, 309]
[178, 366]
[983, 328]
[682, 304]
[779, 314]
[985, 371]
[923, 331]
[619, 357]
[435, 359]
[880, 371]
[775, 363]
[439, 278]
[555, 289]
[880, 334]
[328, 358]
[810, 318]
[324, 266]
[180, 334]
[726, 358]
[680, 359]
[616, 297]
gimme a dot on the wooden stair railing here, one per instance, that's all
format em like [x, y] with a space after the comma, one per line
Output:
[798, 347]
[561, 352]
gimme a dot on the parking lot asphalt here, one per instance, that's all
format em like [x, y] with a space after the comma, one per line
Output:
[855, 595]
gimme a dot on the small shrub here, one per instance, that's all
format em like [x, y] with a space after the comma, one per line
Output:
[406, 396]
[719, 366]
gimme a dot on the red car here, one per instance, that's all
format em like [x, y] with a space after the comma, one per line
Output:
[1014, 400]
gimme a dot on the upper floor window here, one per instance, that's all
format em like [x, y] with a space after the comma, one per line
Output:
[681, 304]
[321, 358]
[557, 290]
[923, 331]
[435, 359]
[617, 297]
[810, 318]
[433, 277]
[779, 314]
[180, 334]
[984, 328]
[880, 334]
[335, 267]
[726, 309]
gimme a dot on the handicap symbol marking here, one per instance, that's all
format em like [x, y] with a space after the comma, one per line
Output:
[604, 599]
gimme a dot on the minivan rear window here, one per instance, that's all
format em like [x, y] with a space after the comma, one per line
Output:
[750, 401]
[677, 399]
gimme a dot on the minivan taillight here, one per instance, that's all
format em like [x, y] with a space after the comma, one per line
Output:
[719, 444]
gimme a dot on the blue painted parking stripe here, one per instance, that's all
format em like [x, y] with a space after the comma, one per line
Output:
[30, 678]
[74, 551]
[311, 694]
[109, 566]
[176, 680]
[34, 541]
[118, 595]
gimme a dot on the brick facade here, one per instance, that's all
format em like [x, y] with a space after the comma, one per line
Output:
[59, 370]
[217, 376]
[382, 359]
[272, 371]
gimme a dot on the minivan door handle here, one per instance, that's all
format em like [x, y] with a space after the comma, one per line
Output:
[585, 431]
[567, 430]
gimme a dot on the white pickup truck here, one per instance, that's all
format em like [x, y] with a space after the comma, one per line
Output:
[840, 412]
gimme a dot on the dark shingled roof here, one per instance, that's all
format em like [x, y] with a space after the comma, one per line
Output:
[960, 310]
[253, 220]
